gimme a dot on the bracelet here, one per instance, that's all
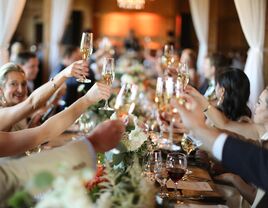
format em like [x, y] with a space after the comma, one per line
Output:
[53, 84]
[207, 108]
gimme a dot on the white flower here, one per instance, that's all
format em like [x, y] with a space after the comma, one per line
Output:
[68, 193]
[135, 139]
[126, 78]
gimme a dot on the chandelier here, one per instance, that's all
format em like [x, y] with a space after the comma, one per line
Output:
[131, 4]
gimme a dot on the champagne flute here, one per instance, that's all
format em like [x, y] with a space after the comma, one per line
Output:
[125, 101]
[176, 165]
[86, 49]
[183, 75]
[168, 56]
[108, 77]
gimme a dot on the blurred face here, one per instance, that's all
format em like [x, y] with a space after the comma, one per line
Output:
[261, 109]
[208, 69]
[31, 69]
[15, 88]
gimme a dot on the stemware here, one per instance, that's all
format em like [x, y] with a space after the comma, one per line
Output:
[183, 76]
[86, 49]
[160, 172]
[176, 165]
[108, 77]
[125, 101]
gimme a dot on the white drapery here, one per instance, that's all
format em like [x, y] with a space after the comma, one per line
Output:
[10, 13]
[252, 18]
[200, 16]
[60, 10]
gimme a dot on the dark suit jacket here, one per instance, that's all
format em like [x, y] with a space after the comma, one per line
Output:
[247, 160]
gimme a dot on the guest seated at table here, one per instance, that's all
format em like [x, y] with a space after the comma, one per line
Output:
[232, 94]
[256, 130]
[212, 66]
[29, 62]
[12, 143]
[188, 56]
[15, 106]
[74, 155]
[237, 155]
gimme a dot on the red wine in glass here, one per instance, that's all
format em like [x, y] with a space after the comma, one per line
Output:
[175, 174]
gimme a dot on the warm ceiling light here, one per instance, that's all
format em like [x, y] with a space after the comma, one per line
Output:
[131, 4]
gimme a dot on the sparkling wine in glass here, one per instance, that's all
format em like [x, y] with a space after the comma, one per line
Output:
[183, 75]
[126, 100]
[86, 49]
[108, 77]
[176, 165]
[168, 56]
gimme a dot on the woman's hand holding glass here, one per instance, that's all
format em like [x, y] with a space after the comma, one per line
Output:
[98, 92]
[78, 69]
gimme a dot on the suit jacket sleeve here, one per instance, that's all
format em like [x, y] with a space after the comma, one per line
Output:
[247, 160]
[15, 173]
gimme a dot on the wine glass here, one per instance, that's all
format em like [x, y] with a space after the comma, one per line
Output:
[86, 49]
[168, 56]
[189, 144]
[108, 77]
[183, 76]
[160, 172]
[125, 101]
[176, 165]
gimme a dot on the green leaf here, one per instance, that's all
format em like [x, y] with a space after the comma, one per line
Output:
[20, 199]
[43, 179]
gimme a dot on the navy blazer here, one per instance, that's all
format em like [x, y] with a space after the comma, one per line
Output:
[247, 160]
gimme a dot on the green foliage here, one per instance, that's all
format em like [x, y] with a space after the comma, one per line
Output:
[43, 180]
[21, 199]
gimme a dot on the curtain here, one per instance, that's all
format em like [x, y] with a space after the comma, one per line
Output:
[10, 13]
[252, 18]
[200, 16]
[60, 10]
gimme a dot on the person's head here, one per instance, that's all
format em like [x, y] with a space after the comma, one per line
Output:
[13, 84]
[70, 55]
[261, 108]
[29, 63]
[188, 56]
[213, 63]
[232, 91]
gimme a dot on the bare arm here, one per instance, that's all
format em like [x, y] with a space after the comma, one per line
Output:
[248, 130]
[17, 142]
[39, 97]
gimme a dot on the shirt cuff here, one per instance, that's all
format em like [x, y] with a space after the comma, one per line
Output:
[217, 148]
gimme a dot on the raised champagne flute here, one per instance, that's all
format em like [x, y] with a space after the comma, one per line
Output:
[126, 101]
[168, 57]
[108, 77]
[183, 75]
[86, 49]
[176, 165]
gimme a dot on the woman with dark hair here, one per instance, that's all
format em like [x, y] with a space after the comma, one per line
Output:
[232, 92]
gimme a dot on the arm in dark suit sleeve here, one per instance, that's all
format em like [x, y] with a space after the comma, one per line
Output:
[247, 160]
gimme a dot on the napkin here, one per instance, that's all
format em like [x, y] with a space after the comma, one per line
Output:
[187, 185]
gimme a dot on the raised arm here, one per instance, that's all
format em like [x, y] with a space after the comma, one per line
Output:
[40, 96]
[17, 142]
[219, 120]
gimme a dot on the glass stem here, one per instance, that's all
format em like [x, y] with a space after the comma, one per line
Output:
[170, 136]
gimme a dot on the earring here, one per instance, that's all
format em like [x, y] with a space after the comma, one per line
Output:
[220, 100]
